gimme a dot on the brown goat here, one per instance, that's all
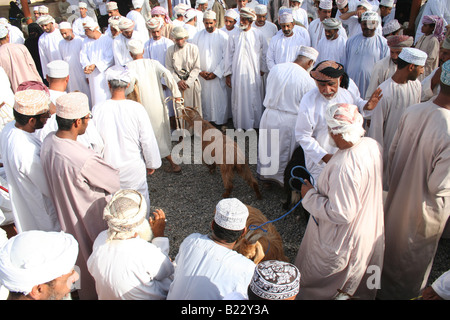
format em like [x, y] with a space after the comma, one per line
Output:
[239, 164]
[258, 245]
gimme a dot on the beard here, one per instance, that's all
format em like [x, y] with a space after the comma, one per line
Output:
[243, 26]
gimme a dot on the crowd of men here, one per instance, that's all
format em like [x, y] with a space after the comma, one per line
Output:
[90, 109]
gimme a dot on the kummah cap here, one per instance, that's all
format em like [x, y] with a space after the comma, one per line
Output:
[327, 70]
[126, 24]
[231, 214]
[31, 102]
[43, 9]
[201, 1]
[126, 211]
[286, 17]
[190, 14]
[341, 4]
[308, 52]
[391, 26]
[58, 69]
[65, 25]
[326, 4]
[3, 31]
[209, 14]
[82, 5]
[90, 24]
[387, 3]
[135, 46]
[365, 4]
[118, 73]
[400, 41]
[45, 19]
[179, 33]
[231, 13]
[247, 13]
[445, 73]
[275, 280]
[154, 23]
[72, 105]
[369, 16]
[112, 5]
[413, 56]
[261, 9]
[36, 257]
[331, 23]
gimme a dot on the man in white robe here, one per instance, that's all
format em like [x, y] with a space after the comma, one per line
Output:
[130, 235]
[400, 91]
[269, 29]
[287, 83]
[70, 50]
[206, 266]
[130, 143]
[183, 60]
[364, 50]
[343, 240]
[200, 9]
[311, 131]
[149, 75]
[77, 25]
[190, 23]
[48, 42]
[120, 43]
[15, 34]
[139, 21]
[212, 45]
[300, 15]
[352, 19]
[284, 46]
[332, 46]
[244, 68]
[417, 204]
[29, 192]
[96, 57]
[385, 68]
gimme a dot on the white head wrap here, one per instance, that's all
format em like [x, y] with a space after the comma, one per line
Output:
[4, 21]
[135, 46]
[341, 4]
[261, 9]
[45, 19]
[180, 9]
[155, 23]
[231, 214]
[58, 69]
[331, 23]
[72, 105]
[345, 119]
[114, 22]
[31, 102]
[43, 9]
[36, 257]
[90, 24]
[387, 3]
[179, 33]
[247, 13]
[190, 14]
[124, 214]
[82, 5]
[275, 280]
[126, 24]
[326, 4]
[3, 31]
[414, 56]
[230, 13]
[209, 14]
[112, 5]
[137, 4]
[118, 73]
[308, 52]
[65, 25]
[365, 4]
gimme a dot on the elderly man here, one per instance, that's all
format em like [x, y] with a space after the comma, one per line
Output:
[80, 181]
[315, 29]
[39, 265]
[344, 240]
[287, 83]
[364, 50]
[77, 25]
[284, 46]
[207, 267]
[16, 61]
[70, 50]
[48, 42]
[417, 204]
[29, 192]
[332, 46]
[400, 91]
[135, 15]
[183, 61]
[244, 68]
[130, 235]
[130, 143]
[96, 57]
[311, 131]
[212, 45]
[385, 68]
[120, 43]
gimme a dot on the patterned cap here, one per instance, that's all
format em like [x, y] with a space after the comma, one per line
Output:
[400, 41]
[414, 56]
[31, 102]
[261, 9]
[391, 27]
[365, 4]
[326, 4]
[387, 3]
[285, 17]
[331, 23]
[341, 4]
[275, 280]
[445, 73]
[58, 69]
[369, 16]
[309, 52]
[73, 105]
[112, 5]
[231, 214]
[247, 13]
[327, 70]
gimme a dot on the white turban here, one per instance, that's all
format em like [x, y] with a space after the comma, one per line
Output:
[114, 22]
[137, 4]
[179, 33]
[180, 8]
[118, 73]
[135, 46]
[231, 13]
[3, 31]
[309, 52]
[126, 24]
[124, 214]
[345, 119]
[45, 19]
[65, 25]
[82, 5]
[90, 24]
[155, 23]
[36, 257]
[247, 13]
[365, 4]
[43, 9]
[190, 14]
[112, 5]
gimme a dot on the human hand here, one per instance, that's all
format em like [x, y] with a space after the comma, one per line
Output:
[182, 85]
[228, 80]
[327, 157]
[150, 171]
[158, 223]
[374, 99]
[305, 188]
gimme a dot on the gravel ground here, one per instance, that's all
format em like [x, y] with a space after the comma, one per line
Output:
[189, 199]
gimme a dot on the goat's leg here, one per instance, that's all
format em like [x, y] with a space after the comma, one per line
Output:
[227, 173]
[246, 174]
